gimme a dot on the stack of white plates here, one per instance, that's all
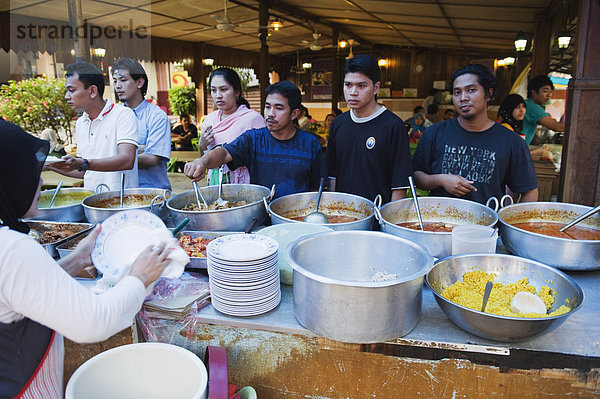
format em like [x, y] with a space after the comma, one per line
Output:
[243, 274]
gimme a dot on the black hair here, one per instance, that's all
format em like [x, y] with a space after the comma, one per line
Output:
[433, 109]
[87, 74]
[233, 79]
[20, 169]
[135, 69]
[183, 116]
[337, 111]
[485, 78]
[537, 82]
[505, 113]
[365, 64]
[418, 108]
[289, 91]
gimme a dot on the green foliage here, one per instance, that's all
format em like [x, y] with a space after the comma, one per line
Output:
[36, 104]
[183, 100]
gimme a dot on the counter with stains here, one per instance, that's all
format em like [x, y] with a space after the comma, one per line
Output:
[281, 359]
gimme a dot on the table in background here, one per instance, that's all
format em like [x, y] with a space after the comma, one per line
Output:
[52, 178]
[185, 156]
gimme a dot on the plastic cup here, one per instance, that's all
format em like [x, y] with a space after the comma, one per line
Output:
[471, 238]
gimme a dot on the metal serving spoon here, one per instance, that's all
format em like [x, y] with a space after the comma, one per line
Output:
[220, 201]
[316, 216]
[486, 294]
[415, 201]
[580, 218]
[58, 187]
[122, 190]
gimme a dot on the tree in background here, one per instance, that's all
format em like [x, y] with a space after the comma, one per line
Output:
[36, 104]
[183, 100]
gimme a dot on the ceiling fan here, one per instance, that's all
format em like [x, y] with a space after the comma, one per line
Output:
[351, 43]
[224, 23]
[315, 45]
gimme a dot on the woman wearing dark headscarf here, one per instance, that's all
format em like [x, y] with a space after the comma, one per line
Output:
[39, 300]
[511, 114]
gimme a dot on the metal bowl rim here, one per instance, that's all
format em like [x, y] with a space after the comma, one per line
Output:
[214, 210]
[358, 284]
[508, 318]
[537, 235]
[435, 233]
[288, 220]
[67, 189]
[118, 193]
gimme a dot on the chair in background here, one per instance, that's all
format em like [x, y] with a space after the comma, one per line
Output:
[171, 164]
[195, 145]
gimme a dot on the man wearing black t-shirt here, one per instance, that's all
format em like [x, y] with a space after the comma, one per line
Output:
[367, 152]
[471, 156]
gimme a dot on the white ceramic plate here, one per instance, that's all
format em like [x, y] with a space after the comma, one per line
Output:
[122, 238]
[242, 247]
[50, 160]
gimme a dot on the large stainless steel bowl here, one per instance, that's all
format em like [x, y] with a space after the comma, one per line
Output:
[231, 219]
[157, 205]
[454, 211]
[332, 203]
[335, 292]
[73, 212]
[509, 269]
[558, 252]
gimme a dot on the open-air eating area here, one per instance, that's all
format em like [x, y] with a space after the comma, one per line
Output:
[299, 199]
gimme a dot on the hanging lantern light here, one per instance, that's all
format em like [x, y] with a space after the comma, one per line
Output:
[520, 42]
[564, 39]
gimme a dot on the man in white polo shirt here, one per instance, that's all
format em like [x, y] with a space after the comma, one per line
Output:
[106, 133]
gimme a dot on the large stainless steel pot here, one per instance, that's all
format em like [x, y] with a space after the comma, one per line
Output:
[454, 211]
[96, 214]
[336, 290]
[562, 253]
[332, 203]
[63, 213]
[231, 219]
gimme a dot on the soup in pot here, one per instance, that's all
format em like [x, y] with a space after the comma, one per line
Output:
[129, 201]
[437, 227]
[331, 218]
[552, 229]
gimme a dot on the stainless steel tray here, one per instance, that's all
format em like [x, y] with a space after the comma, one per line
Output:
[200, 263]
[69, 244]
[42, 226]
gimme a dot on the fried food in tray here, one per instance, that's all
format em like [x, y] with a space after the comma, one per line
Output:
[54, 232]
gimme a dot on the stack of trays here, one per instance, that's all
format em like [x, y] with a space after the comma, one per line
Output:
[243, 274]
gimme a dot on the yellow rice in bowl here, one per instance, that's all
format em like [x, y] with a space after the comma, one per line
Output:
[469, 293]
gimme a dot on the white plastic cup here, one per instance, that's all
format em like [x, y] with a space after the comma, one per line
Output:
[471, 238]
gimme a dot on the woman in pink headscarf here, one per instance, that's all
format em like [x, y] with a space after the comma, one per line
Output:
[232, 118]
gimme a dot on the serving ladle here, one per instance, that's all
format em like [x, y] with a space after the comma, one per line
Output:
[58, 187]
[486, 294]
[580, 218]
[220, 201]
[316, 216]
[415, 201]
[122, 190]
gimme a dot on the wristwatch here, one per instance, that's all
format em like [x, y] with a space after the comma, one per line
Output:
[85, 165]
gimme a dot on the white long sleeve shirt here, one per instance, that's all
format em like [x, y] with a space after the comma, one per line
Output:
[33, 285]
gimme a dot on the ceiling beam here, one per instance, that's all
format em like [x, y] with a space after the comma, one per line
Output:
[352, 3]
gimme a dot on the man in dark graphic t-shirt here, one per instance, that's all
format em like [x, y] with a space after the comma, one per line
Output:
[368, 152]
[279, 154]
[471, 156]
